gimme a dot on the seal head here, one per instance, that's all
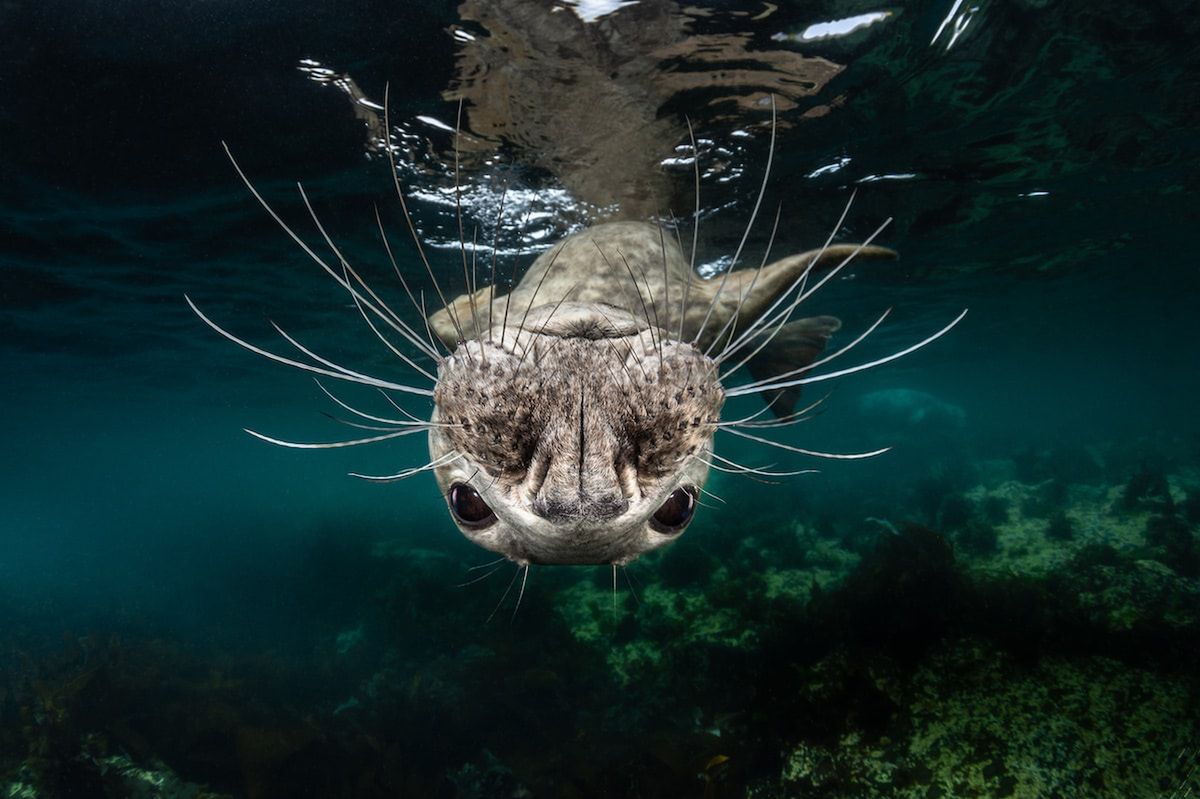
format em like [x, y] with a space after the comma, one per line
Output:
[582, 438]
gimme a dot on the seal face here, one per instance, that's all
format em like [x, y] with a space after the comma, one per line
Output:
[587, 439]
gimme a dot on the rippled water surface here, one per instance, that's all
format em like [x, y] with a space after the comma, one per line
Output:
[1007, 603]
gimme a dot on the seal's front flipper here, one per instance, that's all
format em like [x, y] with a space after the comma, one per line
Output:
[793, 346]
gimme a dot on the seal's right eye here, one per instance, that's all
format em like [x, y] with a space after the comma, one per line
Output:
[468, 507]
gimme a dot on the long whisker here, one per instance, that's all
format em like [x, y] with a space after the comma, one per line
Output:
[801, 281]
[462, 242]
[380, 419]
[291, 340]
[750, 224]
[801, 381]
[512, 277]
[533, 297]
[638, 290]
[449, 457]
[333, 444]
[387, 246]
[353, 377]
[395, 351]
[738, 467]
[809, 367]
[304, 245]
[636, 600]
[695, 229]
[483, 576]
[495, 249]
[412, 228]
[662, 243]
[776, 324]
[520, 593]
[382, 311]
[731, 324]
[504, 596]
[397, 406]
[815, 453]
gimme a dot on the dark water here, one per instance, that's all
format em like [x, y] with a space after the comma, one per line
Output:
[1006, 604]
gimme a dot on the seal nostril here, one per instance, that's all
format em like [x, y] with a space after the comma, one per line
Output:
[598, 509]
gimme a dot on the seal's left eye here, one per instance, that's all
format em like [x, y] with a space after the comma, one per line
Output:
[469, 508]
[676, 512]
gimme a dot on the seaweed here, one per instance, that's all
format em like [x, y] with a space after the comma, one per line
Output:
[977, 538]
[1146, 489]
[995, 509]
[1050, 498]
[1060, 527]
[1190, 507]
[1171, 533]
[955, 512]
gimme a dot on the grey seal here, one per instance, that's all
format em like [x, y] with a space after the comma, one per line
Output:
[574, 417]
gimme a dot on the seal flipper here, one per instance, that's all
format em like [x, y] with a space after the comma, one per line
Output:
[796, 345]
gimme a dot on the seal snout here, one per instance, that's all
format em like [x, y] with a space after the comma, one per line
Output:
[585, 506]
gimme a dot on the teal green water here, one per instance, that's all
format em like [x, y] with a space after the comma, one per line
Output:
[1005, 604]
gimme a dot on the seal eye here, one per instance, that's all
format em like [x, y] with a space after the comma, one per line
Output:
[468, 507]
[676, 512]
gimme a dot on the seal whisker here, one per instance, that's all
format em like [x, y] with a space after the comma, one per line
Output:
[381, 419]
[636, 600]
[332, 444]
[520, 594]
[512, 277]
[500, 559]
[784, 421]
[288, 230]
[319, 359]
[449, 457]
[776, 324]
[462, 242]
[546, 323]
[762, 189]
[850, 370]
[398, 407]
[624, 289]
[353, 377]
[808, 368]
[412, 228]
[800, 281]
[495, 249]
[731, 324]
[379, 335]
[533, 297]
[760, 470]
[691, 272]
[504, 596]
[815, 453]
[387, 246]
[481, 577]
[641, 299]
[383, 311]
[360, 425]
[662, 243]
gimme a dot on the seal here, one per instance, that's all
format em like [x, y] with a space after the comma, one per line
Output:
[578, 411]
[574, 417]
